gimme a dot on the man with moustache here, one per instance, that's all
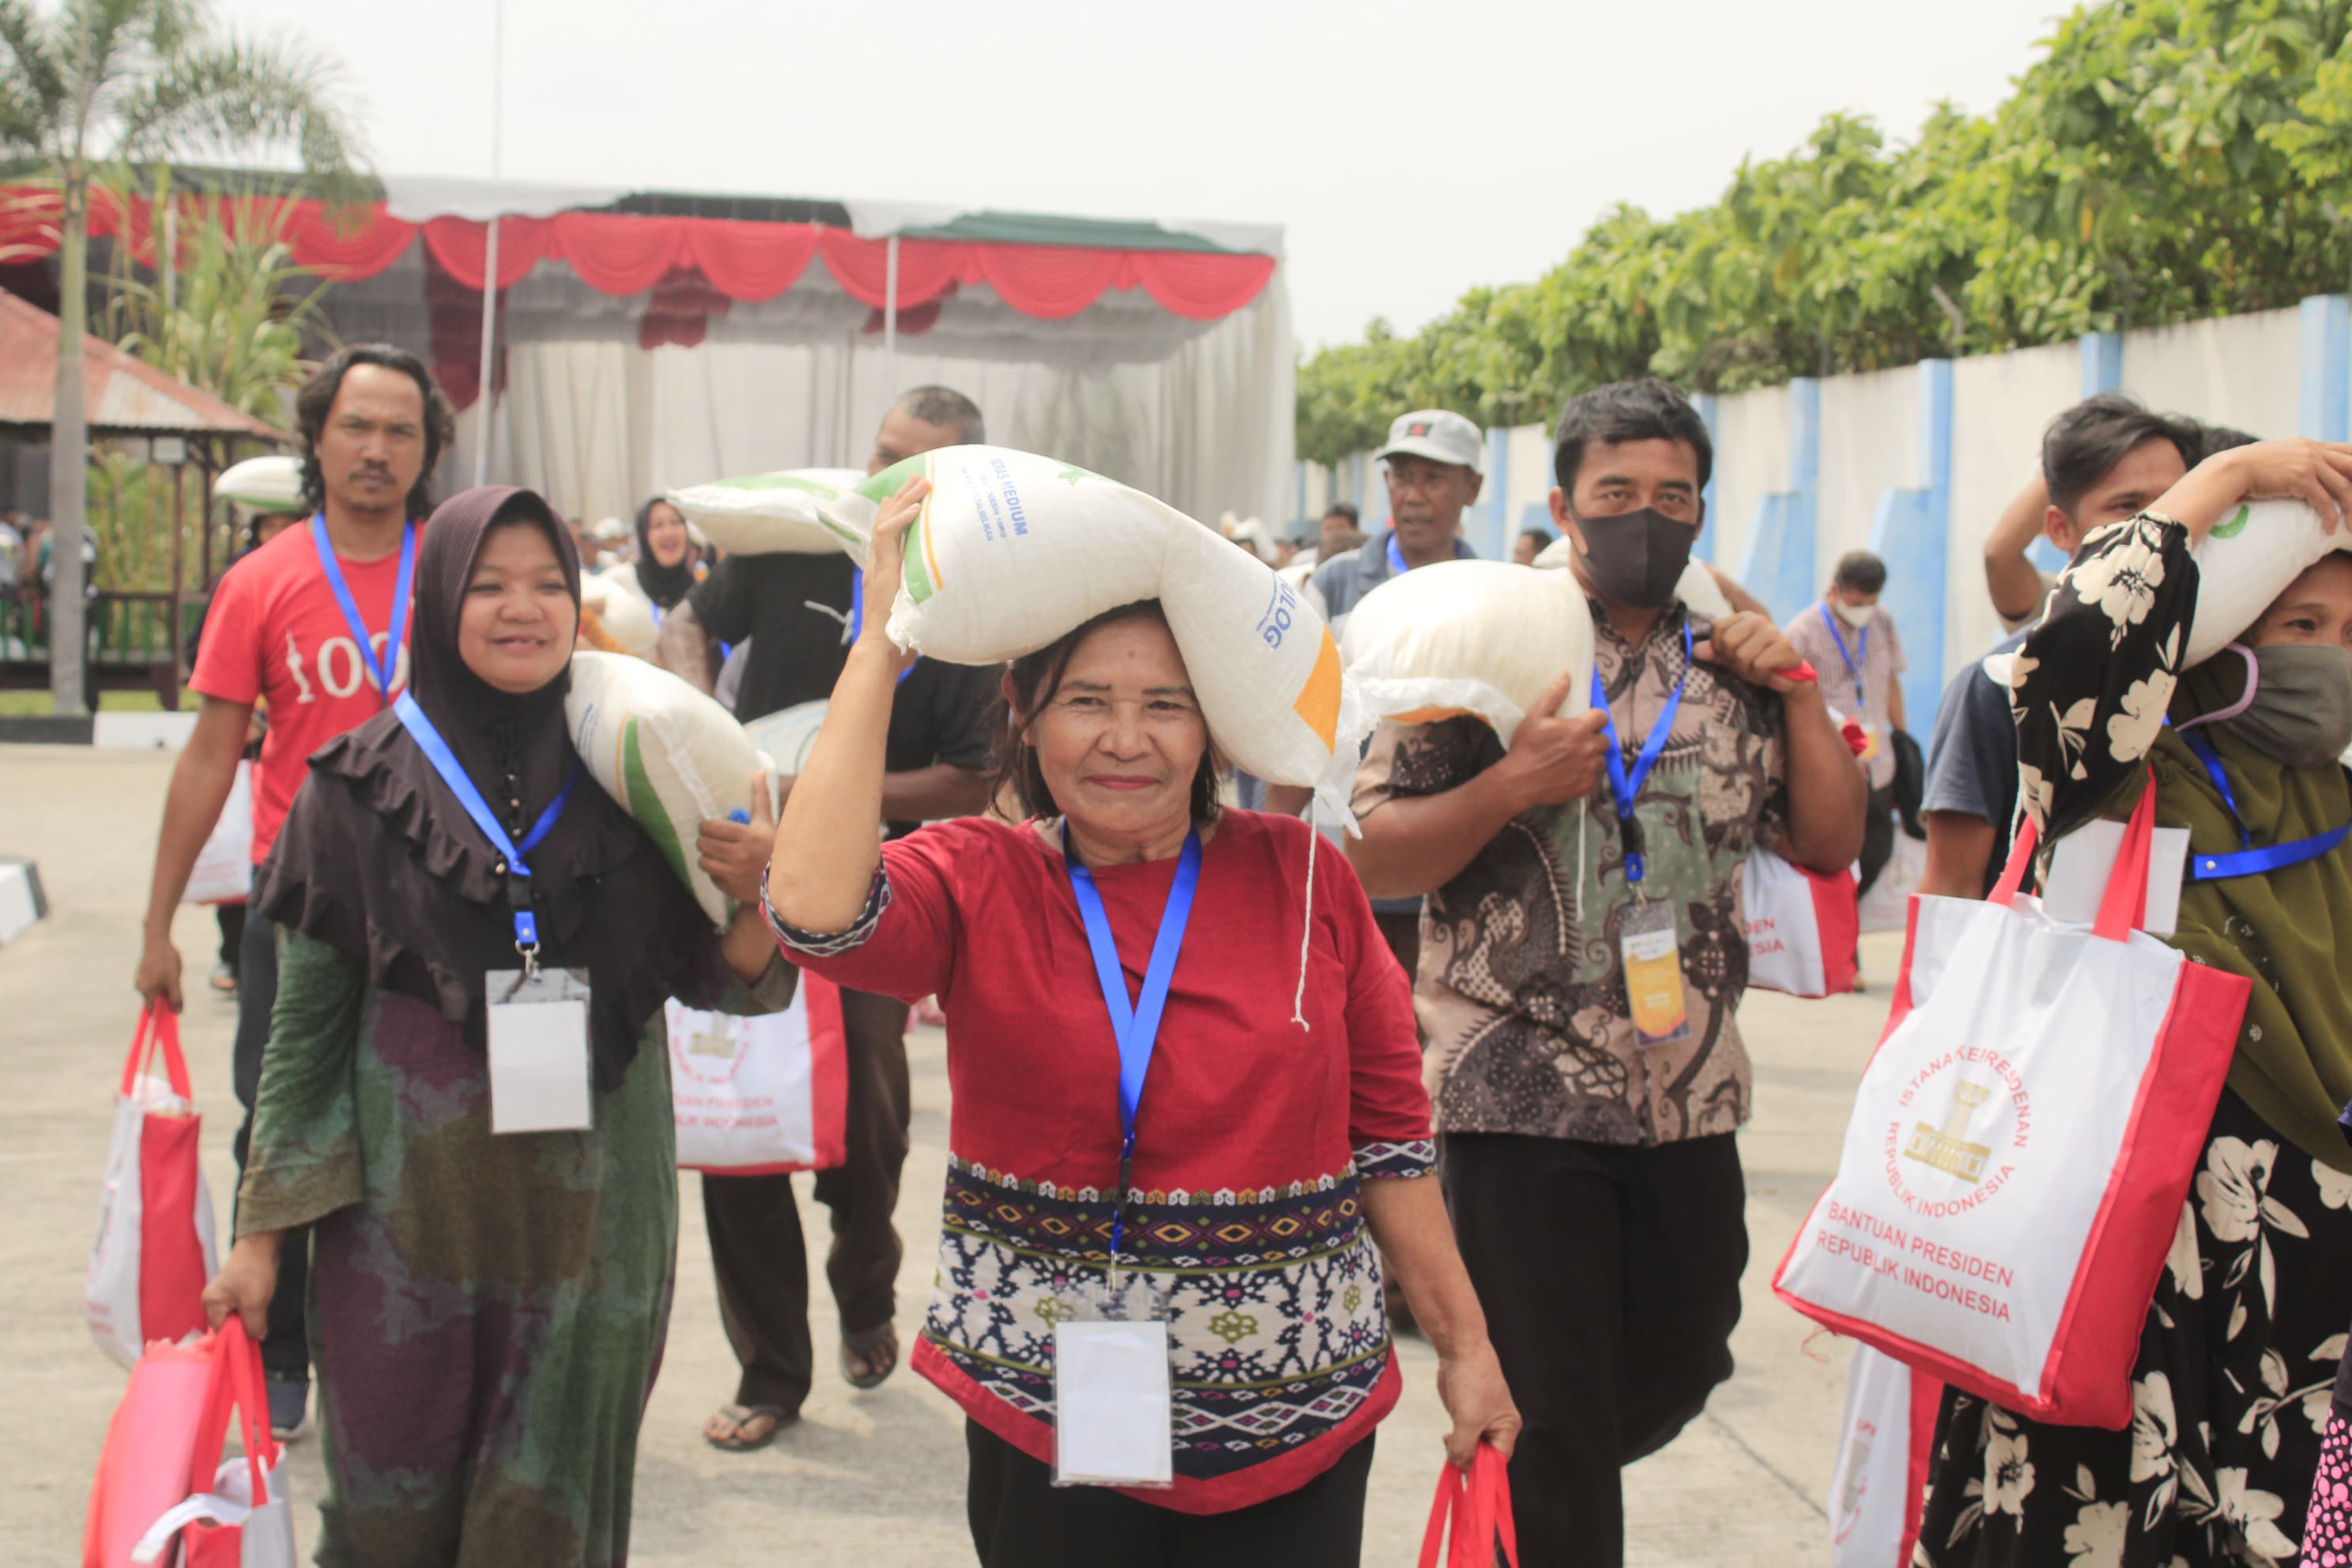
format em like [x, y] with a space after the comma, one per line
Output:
[1580, 985]
[312, 624]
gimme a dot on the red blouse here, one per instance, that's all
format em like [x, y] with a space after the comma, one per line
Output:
[1250, 1140]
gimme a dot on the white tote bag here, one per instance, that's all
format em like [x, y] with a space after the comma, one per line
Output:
[1884, 1441]
[1801, 927]
[2020, 1146]
[155, 1247]
[223, 873]
[761, 1094]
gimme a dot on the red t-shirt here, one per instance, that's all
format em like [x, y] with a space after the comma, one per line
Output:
[275, 633]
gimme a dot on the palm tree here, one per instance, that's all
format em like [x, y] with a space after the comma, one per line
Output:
[98, 80]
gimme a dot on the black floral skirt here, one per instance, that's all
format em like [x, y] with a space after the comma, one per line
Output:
[2231, 1394]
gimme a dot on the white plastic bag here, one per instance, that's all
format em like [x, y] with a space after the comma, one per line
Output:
[1887, 906]
[1885, 1442]
[223, 873]
[155, 1247]
[1013, 551]
[672, 757]
[1484, 638]
[787, 735]
[761, 1094]
[767, 514]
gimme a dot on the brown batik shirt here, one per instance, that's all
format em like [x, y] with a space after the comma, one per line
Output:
[1521, 993]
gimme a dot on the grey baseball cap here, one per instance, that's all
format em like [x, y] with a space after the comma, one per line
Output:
[1439, 436]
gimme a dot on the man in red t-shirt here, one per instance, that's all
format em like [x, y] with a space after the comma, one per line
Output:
[372, 425]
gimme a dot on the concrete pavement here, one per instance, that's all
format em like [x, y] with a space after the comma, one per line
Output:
[866, 1477]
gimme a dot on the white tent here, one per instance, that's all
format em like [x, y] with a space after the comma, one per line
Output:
[1158, 354]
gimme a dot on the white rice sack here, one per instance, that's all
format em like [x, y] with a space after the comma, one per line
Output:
[1012, 550]
[266, 486]
[671, 756]
[624, 612]
[2247, 562]
[1696, 588]
[1484, 638]
[787, 735]
[767, 514]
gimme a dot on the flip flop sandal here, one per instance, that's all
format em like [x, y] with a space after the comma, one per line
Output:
[743, 1415]
[878, 1348]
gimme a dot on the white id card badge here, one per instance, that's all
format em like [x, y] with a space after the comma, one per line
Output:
[539, 1050]
[1114, 1413]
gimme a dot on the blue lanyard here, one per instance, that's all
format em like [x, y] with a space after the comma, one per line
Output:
[381, 669]
[1624, 786]
[1397, 566]
[858, 617]
[453, 773]
[2248, 861]
[1137, 1025]
[1854, 661]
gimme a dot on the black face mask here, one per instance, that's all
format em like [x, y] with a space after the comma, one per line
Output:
[1635, 558]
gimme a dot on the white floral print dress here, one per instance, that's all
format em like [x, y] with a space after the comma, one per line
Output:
[2236, 1367]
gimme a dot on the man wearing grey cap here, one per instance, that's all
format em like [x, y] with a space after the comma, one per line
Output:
[1435, 464]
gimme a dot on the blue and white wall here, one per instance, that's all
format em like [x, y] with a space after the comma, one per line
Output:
[1917, 463]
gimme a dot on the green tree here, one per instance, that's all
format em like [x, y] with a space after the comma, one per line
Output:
[228, 309]
[2160, 161]
[99, 80]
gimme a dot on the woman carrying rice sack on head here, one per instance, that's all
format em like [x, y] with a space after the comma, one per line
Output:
[487, 1308]
[1274, 1117]
[2239, 1350]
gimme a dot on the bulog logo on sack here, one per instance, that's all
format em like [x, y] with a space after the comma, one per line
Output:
[1983, 1114]
[708, 1055]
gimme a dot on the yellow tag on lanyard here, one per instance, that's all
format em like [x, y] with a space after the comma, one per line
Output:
[1653, 974]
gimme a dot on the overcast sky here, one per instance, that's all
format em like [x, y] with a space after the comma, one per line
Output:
[1412, 151]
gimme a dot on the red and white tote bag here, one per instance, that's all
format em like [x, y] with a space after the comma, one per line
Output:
[1801, 926]
[2020, 1146]
[155, 1247]
[761, 1094]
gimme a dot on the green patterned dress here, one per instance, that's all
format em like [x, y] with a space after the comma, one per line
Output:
[487, 1313]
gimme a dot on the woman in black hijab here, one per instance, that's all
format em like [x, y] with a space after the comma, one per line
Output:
[668, 563]
[488, 1307]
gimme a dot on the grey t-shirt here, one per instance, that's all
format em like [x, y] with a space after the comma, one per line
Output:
[1972, 756]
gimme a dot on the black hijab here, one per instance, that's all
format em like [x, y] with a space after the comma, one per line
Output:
[379, 860]
[665, 585]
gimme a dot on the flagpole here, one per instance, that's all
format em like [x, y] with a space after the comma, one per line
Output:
[490, 250]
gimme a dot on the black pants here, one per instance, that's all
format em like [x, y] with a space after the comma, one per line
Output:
[231, 920]
[756, 1246]
[1611, 1279]
[287, 1351]
[1401, 931]
[1021, 1519]
[1877, 836]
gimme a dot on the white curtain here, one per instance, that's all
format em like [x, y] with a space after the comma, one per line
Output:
[1199, 414]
